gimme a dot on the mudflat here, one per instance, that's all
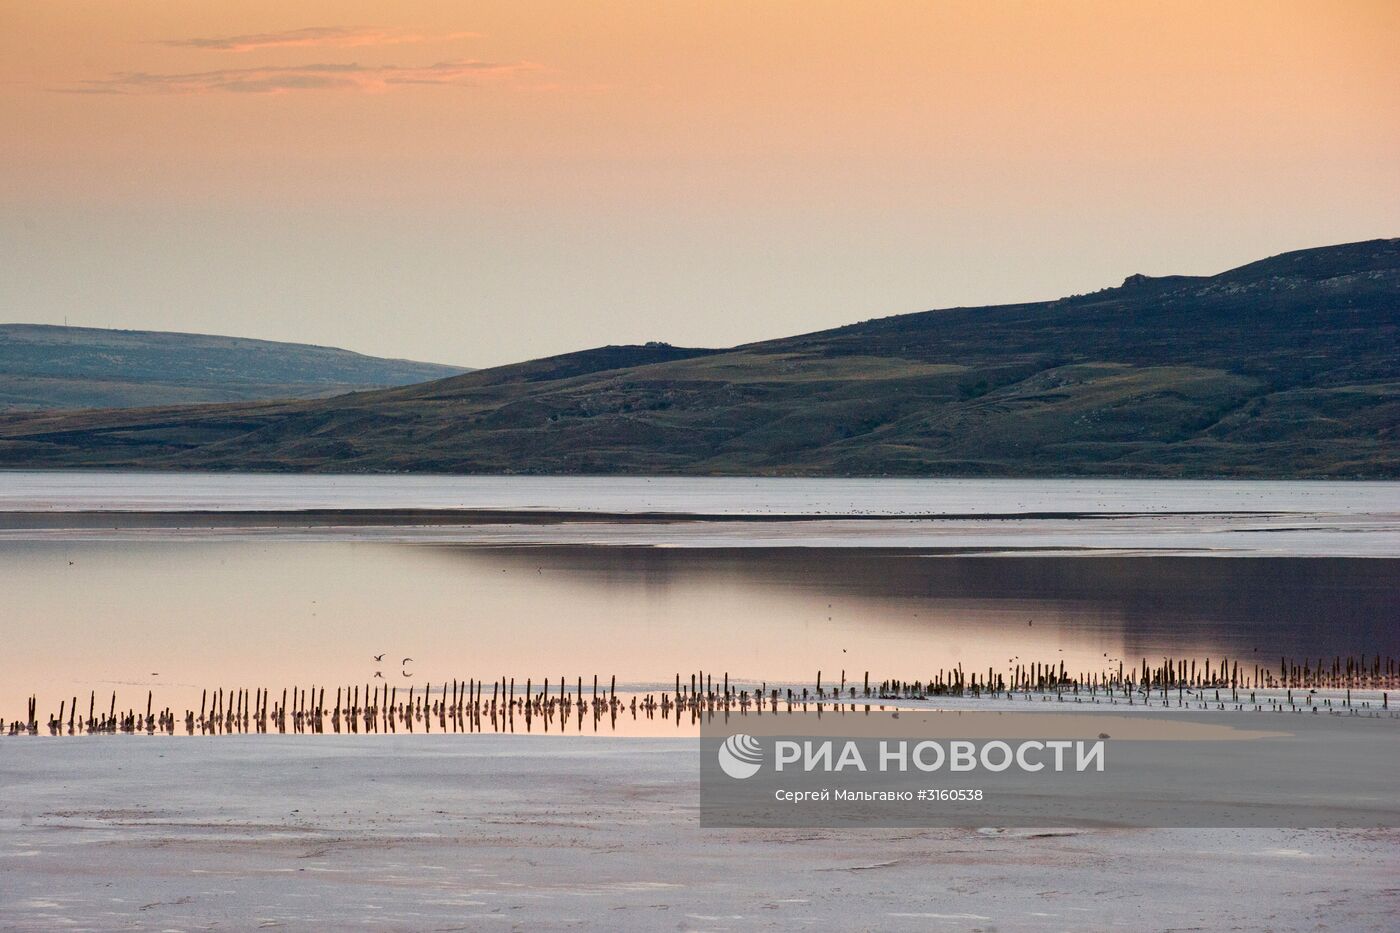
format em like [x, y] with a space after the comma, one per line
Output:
[432, 832]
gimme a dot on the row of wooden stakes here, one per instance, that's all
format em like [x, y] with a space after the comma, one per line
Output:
[463, 706]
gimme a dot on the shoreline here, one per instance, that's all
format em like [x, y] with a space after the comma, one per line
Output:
[318, 518]
[1264, 534]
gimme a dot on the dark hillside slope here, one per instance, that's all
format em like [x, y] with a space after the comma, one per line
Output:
[1289, 367]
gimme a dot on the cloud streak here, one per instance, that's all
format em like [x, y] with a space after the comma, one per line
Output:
[313, 36]
[315, 77]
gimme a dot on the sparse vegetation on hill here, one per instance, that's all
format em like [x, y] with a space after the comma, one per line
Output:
[1289, 367]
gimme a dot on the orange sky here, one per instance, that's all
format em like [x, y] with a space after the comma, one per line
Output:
[478, 183]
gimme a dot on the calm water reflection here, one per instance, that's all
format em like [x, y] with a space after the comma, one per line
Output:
[248, 613]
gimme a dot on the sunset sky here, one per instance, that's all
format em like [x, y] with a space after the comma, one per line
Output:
[483, 182]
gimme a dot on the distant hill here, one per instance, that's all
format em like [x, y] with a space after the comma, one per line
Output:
[1289, 367]
[46, 367]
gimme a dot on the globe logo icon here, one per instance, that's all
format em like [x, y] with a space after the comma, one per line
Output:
[740, 756]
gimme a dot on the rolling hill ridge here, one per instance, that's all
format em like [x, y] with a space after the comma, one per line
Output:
[48, 367]
[1287, 367]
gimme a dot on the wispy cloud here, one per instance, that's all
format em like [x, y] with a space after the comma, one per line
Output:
[317, 77]
[319, 36]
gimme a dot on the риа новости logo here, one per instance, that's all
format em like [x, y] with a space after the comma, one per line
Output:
[741, 756]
